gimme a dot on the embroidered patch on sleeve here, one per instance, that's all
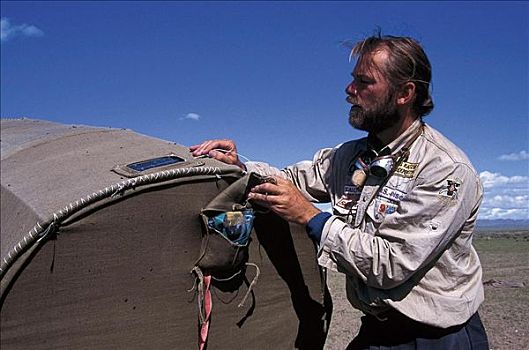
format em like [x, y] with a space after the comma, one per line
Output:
[406, 170]
[451, 188]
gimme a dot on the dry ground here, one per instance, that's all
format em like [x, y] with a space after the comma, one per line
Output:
[505, 312]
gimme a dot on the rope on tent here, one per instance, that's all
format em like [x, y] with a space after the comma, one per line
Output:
[41, 230]
[250, 287]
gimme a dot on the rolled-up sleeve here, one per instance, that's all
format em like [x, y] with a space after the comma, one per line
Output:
[310, 177]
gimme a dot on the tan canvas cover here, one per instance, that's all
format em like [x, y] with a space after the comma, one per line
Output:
[114, 272]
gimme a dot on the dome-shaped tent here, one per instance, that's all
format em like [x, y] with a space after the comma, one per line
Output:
[100, 230]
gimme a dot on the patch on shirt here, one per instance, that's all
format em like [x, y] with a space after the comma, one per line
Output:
[351, 195]
[386, 208]
[380, 209]
[451, 188]
[406, 170]
[391, 194]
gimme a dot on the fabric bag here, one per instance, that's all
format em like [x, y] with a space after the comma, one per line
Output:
[227, 225]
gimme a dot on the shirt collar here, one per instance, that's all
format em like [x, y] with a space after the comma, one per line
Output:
[403, 138]
[372, 148]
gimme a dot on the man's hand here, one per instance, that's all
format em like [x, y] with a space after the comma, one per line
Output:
[222, 150]
[284, 199]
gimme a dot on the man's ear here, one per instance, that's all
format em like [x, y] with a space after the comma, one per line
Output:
[406, 94]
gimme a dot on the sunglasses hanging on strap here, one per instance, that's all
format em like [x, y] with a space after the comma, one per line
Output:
[383, 167]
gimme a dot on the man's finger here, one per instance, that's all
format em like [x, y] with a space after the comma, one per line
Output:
[266, 187]
[207, 146]
[223, 157]
[263, 199]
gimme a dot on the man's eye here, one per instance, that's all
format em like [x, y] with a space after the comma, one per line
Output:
[361, 83]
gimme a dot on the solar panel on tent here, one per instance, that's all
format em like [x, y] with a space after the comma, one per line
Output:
[100, 230]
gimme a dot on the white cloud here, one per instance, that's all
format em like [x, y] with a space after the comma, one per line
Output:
[499, 213]
[9, 31]
[506, 197]
[507, 201]
[522, 155]
[192, 116]
[496, 179]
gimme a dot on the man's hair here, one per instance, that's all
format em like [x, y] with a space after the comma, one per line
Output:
[407, 62]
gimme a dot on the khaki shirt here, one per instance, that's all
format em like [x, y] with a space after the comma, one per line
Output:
[406, 244]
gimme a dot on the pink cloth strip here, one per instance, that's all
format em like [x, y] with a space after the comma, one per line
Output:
[204, 327]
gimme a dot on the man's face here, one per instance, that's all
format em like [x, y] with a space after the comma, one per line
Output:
[374, 102]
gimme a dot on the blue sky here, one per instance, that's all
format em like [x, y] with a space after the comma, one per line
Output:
[270, 75]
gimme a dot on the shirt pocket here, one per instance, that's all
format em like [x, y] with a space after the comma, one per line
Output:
[381, 207]
[388, 198]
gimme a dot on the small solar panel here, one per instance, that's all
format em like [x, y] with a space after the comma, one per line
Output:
[155, 163]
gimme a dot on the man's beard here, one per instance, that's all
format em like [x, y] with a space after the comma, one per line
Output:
[381, 117]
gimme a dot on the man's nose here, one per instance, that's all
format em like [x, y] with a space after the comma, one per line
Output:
[351, 89]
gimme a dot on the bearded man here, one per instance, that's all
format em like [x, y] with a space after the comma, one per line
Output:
[404, 207]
